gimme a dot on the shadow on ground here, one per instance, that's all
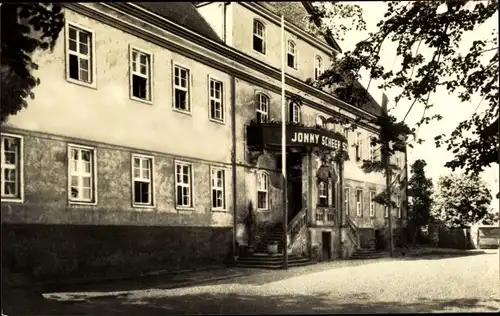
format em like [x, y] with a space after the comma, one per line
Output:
[442, 254]
[230, 303]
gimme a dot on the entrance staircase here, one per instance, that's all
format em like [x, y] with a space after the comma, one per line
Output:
[261, 259]
[363, 253]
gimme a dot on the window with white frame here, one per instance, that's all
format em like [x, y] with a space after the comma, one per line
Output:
[321, 121]
[372, 204]
[183, 184]
[346, 133]
[216, 100]
[358, 145]
[79, 54]
[262, 108]
[346, 201]
[398, 205]
[372, 154]
[218, 177]
[386, 211]
[294, 112]
[291, 55]
[359, 202]
[318, 67]
[11, 151]
[181, 89]
[81, 174]
[262, 190]
[323, 193]
[143, 180]
[140, 74]
[259, 37]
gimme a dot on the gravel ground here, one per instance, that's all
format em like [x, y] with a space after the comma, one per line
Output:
[426, 284]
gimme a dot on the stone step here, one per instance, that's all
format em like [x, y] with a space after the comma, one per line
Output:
[274, 266]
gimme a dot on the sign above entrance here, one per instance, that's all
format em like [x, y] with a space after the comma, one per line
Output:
[268, 135]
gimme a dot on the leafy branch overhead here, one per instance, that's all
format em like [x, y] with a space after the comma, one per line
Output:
[436, 26]
[26, 28]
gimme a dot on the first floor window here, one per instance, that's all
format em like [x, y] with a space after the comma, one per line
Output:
[81, 172]
[11, 167]
[372, 204]
[358, 146]
[262, 108]
[181, 89]
[323, 193]
[216, 100]
[386, 211]
[79, 54]
[218, 188]
[346, 200]
[183, 184]
[359, 199]
[142, 173]
[141, 75]
[294, 112]
[262, 190]
[259, 37]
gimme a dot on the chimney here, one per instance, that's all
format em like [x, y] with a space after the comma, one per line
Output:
[385, 101]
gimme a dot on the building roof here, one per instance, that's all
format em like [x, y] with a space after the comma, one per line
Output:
[182, 13]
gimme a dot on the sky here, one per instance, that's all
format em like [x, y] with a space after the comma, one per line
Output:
[449, 106]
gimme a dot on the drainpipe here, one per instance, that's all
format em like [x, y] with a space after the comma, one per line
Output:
[340, 194]
[233, 159]
[225, 21]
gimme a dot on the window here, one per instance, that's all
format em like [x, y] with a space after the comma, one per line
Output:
[140, 74]
[218, 188]
[12, 175]
[291, 54]
[318, 67]
[359, 199]
[358, 146]
[216, 100]
[321, 121]
[346, 200]
[372, 149]
[346, 133]
[262, 190]
[398, 205]
[372, 204]
[181, 89]
[397, 160]
[323, 193]
[183, 185]
[79, 55]
[142, 177]
[259, 37]
[294, 112]
[262, 108]
[82, 174]
[386, 212]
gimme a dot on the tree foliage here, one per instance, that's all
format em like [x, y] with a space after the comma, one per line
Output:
[417, 24]
[420, 194]
[26, 27]
[461, 200]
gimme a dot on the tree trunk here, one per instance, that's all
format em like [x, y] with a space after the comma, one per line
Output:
[414, 241]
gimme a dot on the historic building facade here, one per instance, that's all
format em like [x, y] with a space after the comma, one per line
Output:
[135, 150]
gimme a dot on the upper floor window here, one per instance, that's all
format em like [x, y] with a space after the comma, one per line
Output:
[292, 54]
[181, 89]
[262, 190]
[79, 55]
[398, 205]
[259, 37]
[346, 133]
[318, 67]
[372, 153]
[346, 200]
[216, 100]
[358, 145]
[323, 193]
[140, 65]
[82, 174]
[321, 121]
[142, 173]
[262, 108]
[294, 112]
[11, 152]
[372, 204]
[183, 185]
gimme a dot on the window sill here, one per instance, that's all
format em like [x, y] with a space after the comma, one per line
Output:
[184, 208]
[76, 203]
[185, 112]
[219, 210]
[144, 206]
[149, 102]
[92, 85]
[260, 53]
[221, 122]
[262, 210]
[12, 200]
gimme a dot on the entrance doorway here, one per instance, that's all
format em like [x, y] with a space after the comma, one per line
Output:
[326, 240]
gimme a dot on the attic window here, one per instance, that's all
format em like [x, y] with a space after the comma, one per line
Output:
[259, 32]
